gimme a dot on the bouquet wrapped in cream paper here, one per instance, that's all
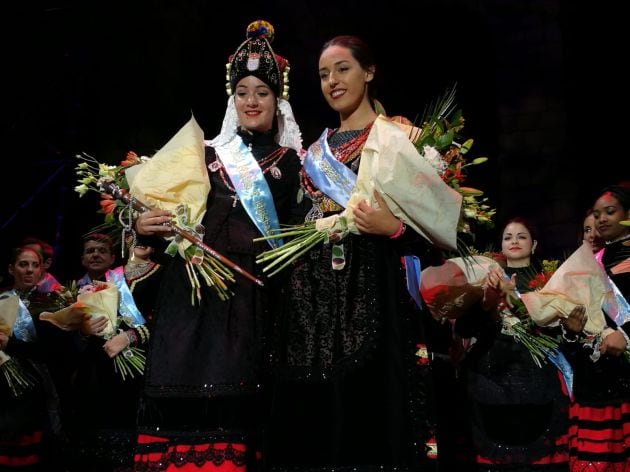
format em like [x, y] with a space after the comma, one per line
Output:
[101, 299]
[176, 179]
[411, 187]
[580, 280]
[16, 378]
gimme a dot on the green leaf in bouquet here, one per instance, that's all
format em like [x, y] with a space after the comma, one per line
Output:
[444, 140]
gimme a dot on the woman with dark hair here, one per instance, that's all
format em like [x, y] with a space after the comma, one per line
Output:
[29, 409]
[589, 232]
[600, 421]
[353, 386]
[204, 379]
[519, 409]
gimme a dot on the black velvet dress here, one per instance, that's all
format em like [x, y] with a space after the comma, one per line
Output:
[519, 411]
[353, 388]
[205, 367]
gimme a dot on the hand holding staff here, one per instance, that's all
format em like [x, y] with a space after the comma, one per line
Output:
[111, 188]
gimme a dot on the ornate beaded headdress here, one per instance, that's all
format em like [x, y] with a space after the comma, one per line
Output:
[256, 57]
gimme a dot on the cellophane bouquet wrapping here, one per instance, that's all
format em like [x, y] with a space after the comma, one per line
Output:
[451, 289]
[579, 280]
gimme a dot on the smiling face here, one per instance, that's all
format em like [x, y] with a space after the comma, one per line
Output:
[517, 245]
[590, 233]
[255, 104]
[608, 213]
[343, 81]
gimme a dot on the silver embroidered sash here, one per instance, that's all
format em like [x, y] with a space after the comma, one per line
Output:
[250, 185]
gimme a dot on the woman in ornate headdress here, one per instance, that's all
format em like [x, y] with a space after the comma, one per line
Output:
[353, 388]
[203, 378]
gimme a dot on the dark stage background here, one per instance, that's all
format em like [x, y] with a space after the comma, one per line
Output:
[535, 81]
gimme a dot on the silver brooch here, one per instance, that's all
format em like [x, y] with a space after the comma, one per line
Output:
[214, 166]
[275, 173]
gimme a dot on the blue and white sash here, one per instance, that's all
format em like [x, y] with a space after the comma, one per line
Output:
[330, 176]
[250, 185]
[23, 327]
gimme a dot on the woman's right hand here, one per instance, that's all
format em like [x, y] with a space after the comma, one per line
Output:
[152, 223]
[575, 322]
[4, 341]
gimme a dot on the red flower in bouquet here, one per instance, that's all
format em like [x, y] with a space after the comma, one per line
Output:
[539, 280]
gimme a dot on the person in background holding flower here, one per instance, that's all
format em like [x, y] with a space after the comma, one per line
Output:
[204, 386]
[29, 412]
[104, 402]
[352, 376]
[600, 424]
[518, 408]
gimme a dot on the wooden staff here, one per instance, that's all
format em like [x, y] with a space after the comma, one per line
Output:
[110, 187]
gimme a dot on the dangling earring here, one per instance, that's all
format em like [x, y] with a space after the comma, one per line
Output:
[532, 250]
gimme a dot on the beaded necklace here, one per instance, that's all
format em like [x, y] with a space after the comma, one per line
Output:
[133, 271]
[346, 152]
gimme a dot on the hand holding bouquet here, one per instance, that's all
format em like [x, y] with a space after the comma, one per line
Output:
[101, 300]
[16, 378]
[409, 185]
[419, 173]
[176, 180]
[454, 287]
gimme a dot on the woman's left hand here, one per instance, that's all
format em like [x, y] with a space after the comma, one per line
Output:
[375, 220]
[115, 344]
